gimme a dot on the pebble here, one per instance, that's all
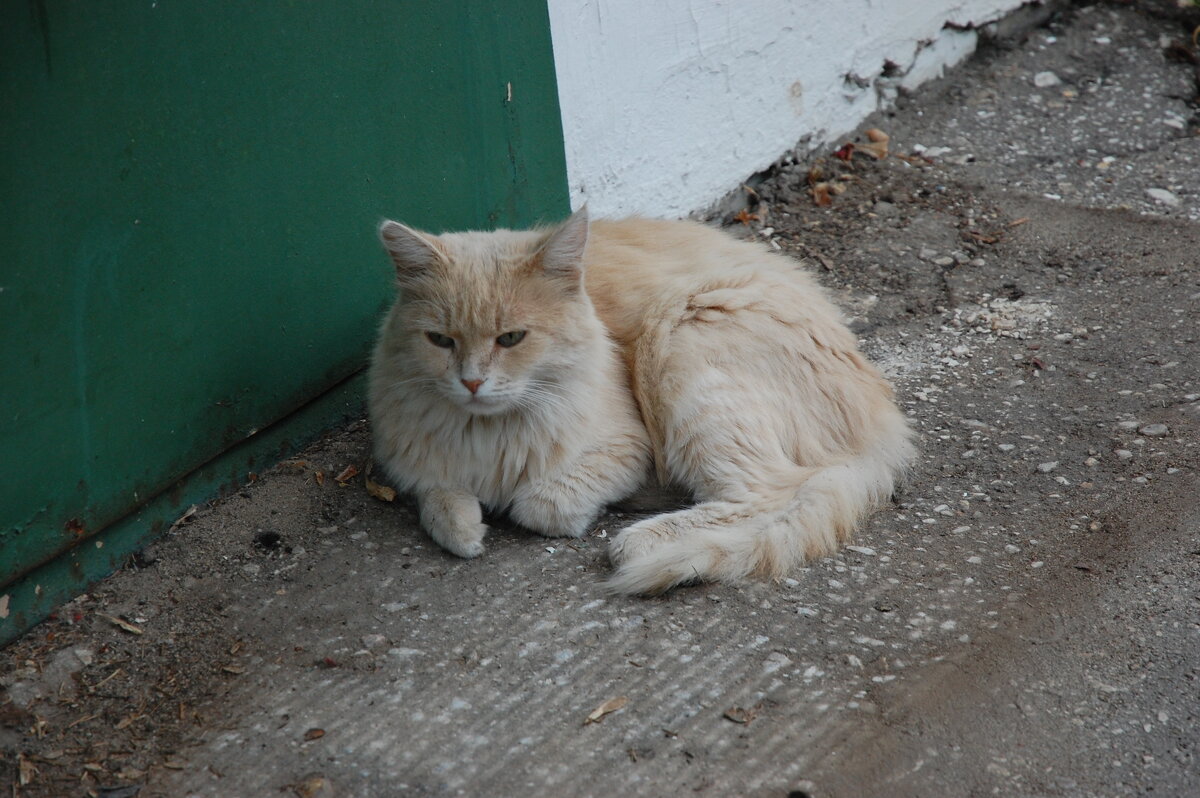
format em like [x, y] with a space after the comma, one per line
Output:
[1006, 447]
[1154, 430]
[1128, 424]
[865, 550]
[1011, 549]
[1037, 564]
[1123, 454]
[1047, 467]
[1163, 196]
[1044, 80]
[975, 559]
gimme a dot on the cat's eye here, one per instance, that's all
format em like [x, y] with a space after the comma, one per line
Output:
[437, 339]
[510, 338]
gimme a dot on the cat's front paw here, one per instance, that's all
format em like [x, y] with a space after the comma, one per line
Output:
[551, 518]
[466, 543]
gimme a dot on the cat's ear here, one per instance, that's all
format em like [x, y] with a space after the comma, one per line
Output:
[561, 254]
[414, 253]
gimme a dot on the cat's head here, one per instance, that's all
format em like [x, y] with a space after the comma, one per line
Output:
[492, 322]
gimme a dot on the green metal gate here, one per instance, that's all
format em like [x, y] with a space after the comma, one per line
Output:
[187, 257]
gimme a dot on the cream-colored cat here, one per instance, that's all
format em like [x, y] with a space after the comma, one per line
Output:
[543, 372]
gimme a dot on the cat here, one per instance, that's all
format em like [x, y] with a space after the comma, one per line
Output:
[551, 372]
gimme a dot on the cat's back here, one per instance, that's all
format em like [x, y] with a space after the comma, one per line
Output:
[638, 266]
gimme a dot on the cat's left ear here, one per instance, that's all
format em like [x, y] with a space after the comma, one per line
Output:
[561, 255]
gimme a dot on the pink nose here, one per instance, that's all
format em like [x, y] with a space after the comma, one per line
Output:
[472, 385]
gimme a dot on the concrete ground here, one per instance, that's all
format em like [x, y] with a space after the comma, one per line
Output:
[1024, 619]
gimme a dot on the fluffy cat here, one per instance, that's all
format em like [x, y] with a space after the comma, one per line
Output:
[548, 372]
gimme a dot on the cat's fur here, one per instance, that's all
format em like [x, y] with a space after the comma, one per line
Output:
[647, 342]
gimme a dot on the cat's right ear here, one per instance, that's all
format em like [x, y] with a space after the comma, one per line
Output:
[561, 254]
[413, 253]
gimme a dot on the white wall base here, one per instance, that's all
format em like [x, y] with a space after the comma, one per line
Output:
[668, 104]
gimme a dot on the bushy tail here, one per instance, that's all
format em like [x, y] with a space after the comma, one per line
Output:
[731, 540]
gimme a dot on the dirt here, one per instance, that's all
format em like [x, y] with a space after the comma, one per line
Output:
[1022, 619]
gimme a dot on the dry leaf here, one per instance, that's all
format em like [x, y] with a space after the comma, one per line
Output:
[381, 492]
[611, 705]
[122, 624]
[174, 763]
[236, 670]
[313, 787]
[1019, 222]
[821, 195]
[845, 152]
[186, 518]
[877, 146]
[319, 476]
[348, 473]
[744, 216]
[25, 770]
[314, 734]
[741, 714]
[127, 722]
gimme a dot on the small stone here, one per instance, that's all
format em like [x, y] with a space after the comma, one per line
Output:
[1037, 564]
[1154, 430]
[927, 254]
[1048, 466]
[1161, 195]
[1005, 447]
[864, 550]
[374, 642]
[1044, 80]
[943, 261]
[1123, 454]
[1011, 549]
[1091, 462]
[975, 559]
[1128, 424]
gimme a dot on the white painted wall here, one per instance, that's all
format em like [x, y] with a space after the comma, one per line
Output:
[668, 104]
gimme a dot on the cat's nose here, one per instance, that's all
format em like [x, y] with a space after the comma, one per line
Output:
[472, 385]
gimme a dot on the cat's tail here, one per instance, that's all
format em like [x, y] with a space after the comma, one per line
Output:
[763, 536]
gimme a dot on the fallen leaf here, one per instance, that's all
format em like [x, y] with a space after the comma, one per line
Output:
[236, 670]
[319, 476]
[348, 473]
[741, 714]
[314, 734]
[821, 195]
[611, 705]
[845, 152]
[381, 492]
[123, 624]
[127, 722]
[185, 518]
[26, 771]
[174, 764]
[744, 216]
[1019, 222]
[313, 787]
[877, 143]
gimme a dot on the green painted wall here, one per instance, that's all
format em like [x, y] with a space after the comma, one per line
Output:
[190, 191]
